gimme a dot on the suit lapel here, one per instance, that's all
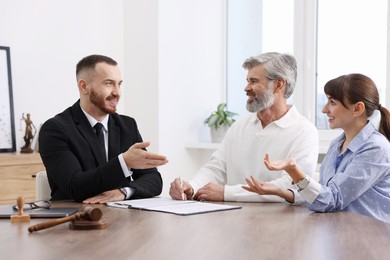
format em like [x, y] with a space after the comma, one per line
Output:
[113, 138]
[87, 132]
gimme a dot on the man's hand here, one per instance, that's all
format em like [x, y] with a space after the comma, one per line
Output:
[107, 196]
[177, 189]
[137, 158]
[211, 192]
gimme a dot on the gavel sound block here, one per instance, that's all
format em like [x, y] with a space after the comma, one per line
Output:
[87, 218]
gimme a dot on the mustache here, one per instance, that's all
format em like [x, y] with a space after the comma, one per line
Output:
[113, 97]
[251, 94]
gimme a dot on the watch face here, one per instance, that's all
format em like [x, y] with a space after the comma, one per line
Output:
[302, 183]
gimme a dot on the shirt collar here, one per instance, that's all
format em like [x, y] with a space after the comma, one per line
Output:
[93, 121]
[288, 119]
[361, 137]
[285, 121]
[357, 141]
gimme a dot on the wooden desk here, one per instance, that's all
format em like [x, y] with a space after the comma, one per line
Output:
[16, 176]
[257, 231]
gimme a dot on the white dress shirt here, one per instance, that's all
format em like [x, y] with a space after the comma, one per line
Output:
[126, 171]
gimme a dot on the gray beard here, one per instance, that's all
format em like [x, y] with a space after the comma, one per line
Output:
[259, 104]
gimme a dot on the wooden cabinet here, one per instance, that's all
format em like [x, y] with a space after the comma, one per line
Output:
[17, 176]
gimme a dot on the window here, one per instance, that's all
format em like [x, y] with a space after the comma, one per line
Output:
[254, 27]
[329, 38]
[350, 40]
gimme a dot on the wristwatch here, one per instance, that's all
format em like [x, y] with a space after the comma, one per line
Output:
[124, 192]
[301, 184]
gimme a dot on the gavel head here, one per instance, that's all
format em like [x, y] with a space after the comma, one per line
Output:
[91, 213]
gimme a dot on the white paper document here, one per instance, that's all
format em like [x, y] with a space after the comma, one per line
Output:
[168, 205]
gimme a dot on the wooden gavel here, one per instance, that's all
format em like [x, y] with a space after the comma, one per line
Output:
[88, 213]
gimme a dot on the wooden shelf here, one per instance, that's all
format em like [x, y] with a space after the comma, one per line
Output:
[17, 172]
[205, 146]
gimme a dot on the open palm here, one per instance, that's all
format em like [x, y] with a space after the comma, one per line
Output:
[262, 188]
[278, 165]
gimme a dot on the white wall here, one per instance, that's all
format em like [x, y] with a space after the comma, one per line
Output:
[175, 71]
[242, 43]
[171, 53]
[191, 78]
[47, 39]
[141, 84]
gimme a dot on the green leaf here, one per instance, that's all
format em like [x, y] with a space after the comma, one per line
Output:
[230, 114]
[213, 120]
[221, 107]
[220, 117]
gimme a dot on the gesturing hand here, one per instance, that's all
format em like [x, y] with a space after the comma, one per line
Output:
[290, 166]
[262, 188]
[137, 158]
[279, 164]
[268, 188]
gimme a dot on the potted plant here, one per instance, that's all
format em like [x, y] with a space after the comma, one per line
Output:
[219, 122]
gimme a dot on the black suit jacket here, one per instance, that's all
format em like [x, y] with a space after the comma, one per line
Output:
[75, 168]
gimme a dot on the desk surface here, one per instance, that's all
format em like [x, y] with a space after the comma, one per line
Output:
[256, 231]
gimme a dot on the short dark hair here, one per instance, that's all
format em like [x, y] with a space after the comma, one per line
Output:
[90, 62]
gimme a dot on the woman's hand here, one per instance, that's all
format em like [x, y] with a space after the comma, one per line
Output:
[262, 188]
[268, 188]
[289, 165]
[279, 164]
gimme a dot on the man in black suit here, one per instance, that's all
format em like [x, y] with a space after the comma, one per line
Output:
[91, 166]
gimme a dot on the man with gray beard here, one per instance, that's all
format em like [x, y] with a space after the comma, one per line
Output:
[274, 127]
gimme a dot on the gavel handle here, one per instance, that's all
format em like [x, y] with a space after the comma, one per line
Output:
[55, 222]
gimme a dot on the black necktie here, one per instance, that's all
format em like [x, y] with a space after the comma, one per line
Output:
[100, 136]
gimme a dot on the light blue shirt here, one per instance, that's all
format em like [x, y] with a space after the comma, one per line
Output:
[357, 180]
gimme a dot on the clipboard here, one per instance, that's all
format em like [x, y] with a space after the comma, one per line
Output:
[168, 205]
[6, 211]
